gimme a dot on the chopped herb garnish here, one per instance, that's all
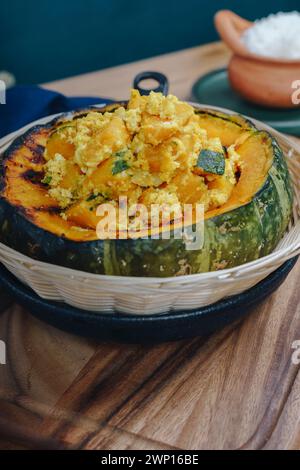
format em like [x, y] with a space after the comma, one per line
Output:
[119, 166]
[120, 153]
[47, 180]
[211, 162]
[92, 197]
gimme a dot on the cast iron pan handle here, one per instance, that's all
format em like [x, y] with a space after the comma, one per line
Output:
[163, 83]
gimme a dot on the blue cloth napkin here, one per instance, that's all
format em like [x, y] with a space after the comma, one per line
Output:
[25, 104]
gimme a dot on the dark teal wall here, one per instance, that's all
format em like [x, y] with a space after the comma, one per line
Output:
[45, 40]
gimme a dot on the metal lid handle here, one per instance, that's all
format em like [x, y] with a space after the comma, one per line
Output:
[163, 83]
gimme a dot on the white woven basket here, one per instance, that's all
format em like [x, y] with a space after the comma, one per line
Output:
[144, 296]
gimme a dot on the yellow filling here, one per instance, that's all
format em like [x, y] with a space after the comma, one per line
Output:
[148, 152]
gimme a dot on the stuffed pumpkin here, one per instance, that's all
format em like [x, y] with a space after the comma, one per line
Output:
[152, 150]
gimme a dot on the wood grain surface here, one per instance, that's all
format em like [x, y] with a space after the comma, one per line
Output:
[238, 389]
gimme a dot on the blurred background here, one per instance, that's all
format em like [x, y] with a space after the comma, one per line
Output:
[42, 41]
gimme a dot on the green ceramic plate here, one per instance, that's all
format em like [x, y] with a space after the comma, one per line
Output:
[214, 89]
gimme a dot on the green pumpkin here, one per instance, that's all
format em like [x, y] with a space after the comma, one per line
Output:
[249, 227]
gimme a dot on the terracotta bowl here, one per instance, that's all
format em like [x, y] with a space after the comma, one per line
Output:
[261, 80]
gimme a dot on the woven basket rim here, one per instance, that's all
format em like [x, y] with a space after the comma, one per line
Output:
[221, 273]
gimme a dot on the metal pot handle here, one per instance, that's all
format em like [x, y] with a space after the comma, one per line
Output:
[163, 83]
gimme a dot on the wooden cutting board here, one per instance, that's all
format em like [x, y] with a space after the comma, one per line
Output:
[236, 389]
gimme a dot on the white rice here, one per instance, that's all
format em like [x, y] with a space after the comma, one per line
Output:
[276, 36]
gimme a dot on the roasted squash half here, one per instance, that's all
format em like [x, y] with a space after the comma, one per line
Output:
[247, 226]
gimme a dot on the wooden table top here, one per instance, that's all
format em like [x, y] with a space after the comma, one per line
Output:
[238, 389]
